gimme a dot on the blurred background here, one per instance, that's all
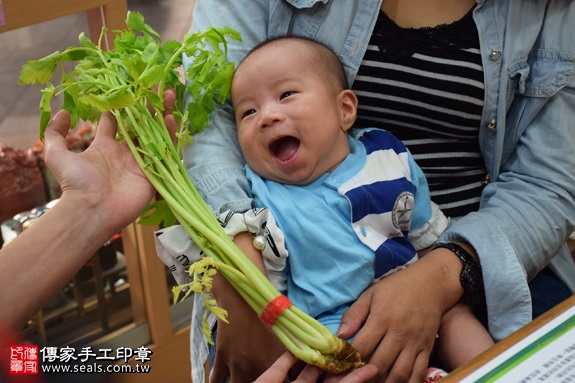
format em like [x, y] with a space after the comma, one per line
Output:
[20, 149]
[19, 104]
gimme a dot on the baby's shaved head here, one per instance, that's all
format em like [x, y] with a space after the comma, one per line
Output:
[322, 58]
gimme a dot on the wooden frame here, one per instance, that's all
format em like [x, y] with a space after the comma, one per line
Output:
[23, 13]
[171, 358]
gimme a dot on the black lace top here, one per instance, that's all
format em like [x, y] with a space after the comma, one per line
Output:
[426, 86]
[398, 42]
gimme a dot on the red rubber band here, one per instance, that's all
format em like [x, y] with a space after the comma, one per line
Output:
[273, 309]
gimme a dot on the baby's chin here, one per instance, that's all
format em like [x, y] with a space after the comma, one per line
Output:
[294, 178]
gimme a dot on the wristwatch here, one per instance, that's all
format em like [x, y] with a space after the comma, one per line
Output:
[471, 277]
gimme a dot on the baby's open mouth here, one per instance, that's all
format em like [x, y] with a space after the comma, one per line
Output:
[285, 148]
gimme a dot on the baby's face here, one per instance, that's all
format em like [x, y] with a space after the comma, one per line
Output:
[289, 120]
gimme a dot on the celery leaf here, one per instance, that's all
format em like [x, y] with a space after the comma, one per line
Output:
[38, 72]
[135, 21]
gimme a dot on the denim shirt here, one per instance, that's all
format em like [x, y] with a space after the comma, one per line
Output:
[527, 132]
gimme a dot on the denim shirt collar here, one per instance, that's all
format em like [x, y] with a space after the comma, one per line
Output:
[305, 3]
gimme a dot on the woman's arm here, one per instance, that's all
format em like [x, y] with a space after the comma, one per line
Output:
[215, 161]
[526, 213]
[103, 190]
[528, 210]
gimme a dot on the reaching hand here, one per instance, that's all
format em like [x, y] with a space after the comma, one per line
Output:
[104, 176]
[103, 191]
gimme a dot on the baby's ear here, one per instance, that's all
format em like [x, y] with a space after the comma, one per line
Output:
[347, 101]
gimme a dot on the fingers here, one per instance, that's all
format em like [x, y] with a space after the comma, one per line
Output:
[408, 368]
[60, 125]
[55, 135]
[309, 374]
[172, 126]
[400, 370]
[419, 368]
[359, 375]
[354, 317]
[398, 359]
[107, 125]
[169, 103]
[278, 371]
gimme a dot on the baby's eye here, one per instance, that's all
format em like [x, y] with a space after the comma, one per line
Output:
[286, 94]
[248, 112]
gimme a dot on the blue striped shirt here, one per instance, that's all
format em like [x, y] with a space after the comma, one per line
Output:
[379, 191]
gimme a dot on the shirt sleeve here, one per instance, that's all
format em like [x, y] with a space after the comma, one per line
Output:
[178, 252]
[214, 161]
[528, 210]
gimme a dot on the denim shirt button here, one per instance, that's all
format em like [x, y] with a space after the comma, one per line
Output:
[486, 179]
[492, 125]
[494, 55]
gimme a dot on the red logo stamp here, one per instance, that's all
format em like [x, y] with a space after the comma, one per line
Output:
[23, 359]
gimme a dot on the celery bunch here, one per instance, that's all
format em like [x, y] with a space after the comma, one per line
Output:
[120, 81]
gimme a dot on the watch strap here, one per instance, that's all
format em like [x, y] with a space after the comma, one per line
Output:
[471, 276]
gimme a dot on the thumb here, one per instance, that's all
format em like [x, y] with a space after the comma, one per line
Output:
[106, 126]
